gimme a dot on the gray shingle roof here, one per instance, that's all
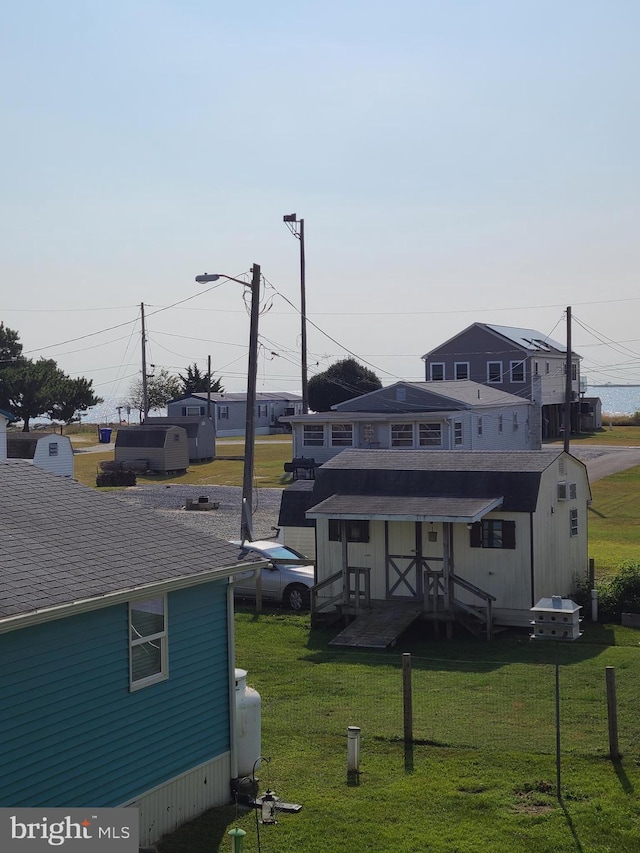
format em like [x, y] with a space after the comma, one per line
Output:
[444, 460]
[61, 542]
[409, 508]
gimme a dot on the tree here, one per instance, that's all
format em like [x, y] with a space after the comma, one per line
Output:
[10, 346]
[73, 396]
[344, 380]
[196, 383]
[161, 387]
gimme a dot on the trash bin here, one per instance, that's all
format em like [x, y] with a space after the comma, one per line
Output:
[104, 436]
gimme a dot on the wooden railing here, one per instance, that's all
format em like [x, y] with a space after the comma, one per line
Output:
[439, 597]
[355, 592]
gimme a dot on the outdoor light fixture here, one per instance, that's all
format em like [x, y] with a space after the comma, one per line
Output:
[268, 808]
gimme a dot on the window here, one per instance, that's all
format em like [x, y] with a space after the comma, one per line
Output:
[536, 368]
[430, 435]
[401, 435]
[573, 522]
[176, 436]
[493, 533]
[341, 435]
[499, 423]
[357, 531]
[517, 371]
[367, 433]
[494, 371]
[263, 411]
[223, 412]
[461, 369]
[193, 411]
[479, 426]
[313, 435]
[574, 371]
[147, 642]
[457, 433]
[436, 372]
[546, 367]
[53, 448]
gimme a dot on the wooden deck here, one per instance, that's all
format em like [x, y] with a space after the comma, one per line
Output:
[377, 629]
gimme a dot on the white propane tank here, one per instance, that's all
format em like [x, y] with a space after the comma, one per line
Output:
[248, 724]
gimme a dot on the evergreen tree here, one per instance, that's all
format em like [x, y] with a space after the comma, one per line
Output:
[196, 382]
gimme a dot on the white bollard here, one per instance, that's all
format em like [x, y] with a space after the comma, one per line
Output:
[353, 749]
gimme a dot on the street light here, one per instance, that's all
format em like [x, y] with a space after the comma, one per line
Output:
[246, 532]
[292, 221]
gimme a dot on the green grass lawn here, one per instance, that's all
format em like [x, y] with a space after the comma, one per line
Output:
[480, 776]
[614, 521]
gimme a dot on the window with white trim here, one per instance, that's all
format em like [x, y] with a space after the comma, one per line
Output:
[574, 371]
[517, 371]
[313, 435]
[457, 433]
[500, 423]
[401, 435]
[193, 411]
[573, 522]
[341, 435]
[494, 371]
[547, 367]
[461, 369]
[430, 435]
[263, 410]
[223, 412]
[479, 425]
[148, 660]
[536, 368]
[436, 371]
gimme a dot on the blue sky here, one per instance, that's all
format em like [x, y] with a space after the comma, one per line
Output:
[453, 161]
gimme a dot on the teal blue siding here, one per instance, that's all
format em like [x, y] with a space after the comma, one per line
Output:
[72, 733]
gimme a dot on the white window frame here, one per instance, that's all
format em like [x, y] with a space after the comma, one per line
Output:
[433, 378]
[403, 435]
[465, 365]
[517, 365]
[157, 638]
[263, 410]
[491, 381]
[313, 435]
[342, 435]
[547, 368]
[479, 424]
[458, 434]
[427, 432]
[223, 413]
[194, 411]
[573, 521]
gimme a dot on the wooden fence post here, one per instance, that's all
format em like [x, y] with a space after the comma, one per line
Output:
[612, 712]
[407, 698]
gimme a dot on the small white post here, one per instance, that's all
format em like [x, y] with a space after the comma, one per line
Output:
[594, 605]
[353, 750]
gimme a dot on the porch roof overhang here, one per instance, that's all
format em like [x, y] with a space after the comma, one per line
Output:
[404, 508]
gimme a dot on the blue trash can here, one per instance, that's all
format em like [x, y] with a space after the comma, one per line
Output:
[104, 435]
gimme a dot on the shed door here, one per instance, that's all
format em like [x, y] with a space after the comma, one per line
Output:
[402, 561]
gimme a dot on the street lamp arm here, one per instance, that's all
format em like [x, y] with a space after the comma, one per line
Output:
[207, 278]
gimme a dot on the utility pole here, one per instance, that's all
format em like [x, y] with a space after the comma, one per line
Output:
[209, 387]
[246, 534]
[568, 387]
[292, 220]
[145, 395]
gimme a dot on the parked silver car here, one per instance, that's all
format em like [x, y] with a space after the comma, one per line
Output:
[286, 582]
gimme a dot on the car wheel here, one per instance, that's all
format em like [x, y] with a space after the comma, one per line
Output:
[296, 597]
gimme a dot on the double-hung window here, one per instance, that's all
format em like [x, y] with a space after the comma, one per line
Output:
[148, 659]
[494, 371]
[573, 522]
[493, 533]
[517, 371]
[223, 412]
[457, 433]
[461, 369]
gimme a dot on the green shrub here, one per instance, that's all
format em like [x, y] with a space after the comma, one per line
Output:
[119, 477]
[620, 593]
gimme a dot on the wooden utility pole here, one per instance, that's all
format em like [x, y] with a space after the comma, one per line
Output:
[250, 427]
[568, 387]
[293, 221]
[145, 394]
[209, 387]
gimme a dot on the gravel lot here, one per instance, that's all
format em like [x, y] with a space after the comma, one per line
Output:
[223, 522]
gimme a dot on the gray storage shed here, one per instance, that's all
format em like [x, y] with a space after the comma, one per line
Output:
[200, 431]
[163, 448]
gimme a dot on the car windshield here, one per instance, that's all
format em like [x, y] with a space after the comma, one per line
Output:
[279, 552]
